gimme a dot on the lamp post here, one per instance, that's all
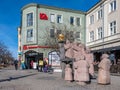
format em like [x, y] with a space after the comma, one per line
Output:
[62, 53]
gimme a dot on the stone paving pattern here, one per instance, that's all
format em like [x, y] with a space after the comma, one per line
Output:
[11, 79]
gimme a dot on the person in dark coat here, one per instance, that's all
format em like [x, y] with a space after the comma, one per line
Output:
[16, 64]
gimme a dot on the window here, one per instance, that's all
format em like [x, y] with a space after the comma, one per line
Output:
[91, 19]
[30, 35]
[30, 19]
[99, 14]
[100, 33]
[92, 36]
[52, 33]
[59, 32]
[72, 20]
[52, 17]
[59, 18]
[78, 35]
[113, 28]
[112, 6]
[78, 22]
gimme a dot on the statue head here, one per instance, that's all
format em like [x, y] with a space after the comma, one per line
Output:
[67, 66]
[87, 50]
[104, 56]
[82, 57]
[67, 41]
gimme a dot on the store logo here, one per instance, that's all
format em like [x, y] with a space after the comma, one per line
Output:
[43, 16]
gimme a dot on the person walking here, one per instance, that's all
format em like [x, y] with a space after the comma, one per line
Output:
[112, 58]
[16, 64]
[31, 64]
[40, 66]
[23, 64]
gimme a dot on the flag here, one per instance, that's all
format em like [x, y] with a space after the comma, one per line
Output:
[43, 16]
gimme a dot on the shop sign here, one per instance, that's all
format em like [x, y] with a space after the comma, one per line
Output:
[43, 16]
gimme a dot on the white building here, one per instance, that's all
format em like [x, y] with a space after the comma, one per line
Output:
[102, 27]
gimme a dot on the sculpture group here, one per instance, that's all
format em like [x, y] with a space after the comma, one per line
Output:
[79, 67]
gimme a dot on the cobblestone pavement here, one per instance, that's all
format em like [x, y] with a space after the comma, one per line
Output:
[11, 79]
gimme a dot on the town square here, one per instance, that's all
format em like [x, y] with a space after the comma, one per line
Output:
[60, 45]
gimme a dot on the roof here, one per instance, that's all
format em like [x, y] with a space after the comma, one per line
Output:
[52, 7]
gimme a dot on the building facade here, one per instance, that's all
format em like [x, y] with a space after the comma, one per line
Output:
[98, 28]
[40, 27]
[102, 28]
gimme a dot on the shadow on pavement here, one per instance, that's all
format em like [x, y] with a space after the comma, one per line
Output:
[14, 78]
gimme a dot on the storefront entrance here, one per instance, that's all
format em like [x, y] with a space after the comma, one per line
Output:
[31, 59]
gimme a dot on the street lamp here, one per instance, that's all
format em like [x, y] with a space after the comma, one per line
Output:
[61, 38]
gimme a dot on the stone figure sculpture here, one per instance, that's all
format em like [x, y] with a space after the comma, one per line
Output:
[90, 59]
[62, 57]
[69, 49]
[104, 70]
[76, 51]
[68, 73]
[82, 71]
[62, 51]
[75, 70]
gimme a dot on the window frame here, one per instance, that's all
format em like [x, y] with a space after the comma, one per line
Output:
[91, 19]
[59, 19]
[91, 36]
[29, 17]
[52, 17]
[72, 20]
[100, 33]
[112, 6]
[52, 34]
[78, 35]
[30, 35]
[112, 26]
[78, 21]
[100, 14]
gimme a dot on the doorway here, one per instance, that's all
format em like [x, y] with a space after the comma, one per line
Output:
[31, 59]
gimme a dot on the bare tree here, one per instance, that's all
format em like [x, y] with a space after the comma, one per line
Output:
[5, 55]
[52, 36]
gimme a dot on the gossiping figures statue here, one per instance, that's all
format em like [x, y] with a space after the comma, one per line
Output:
[74, 54]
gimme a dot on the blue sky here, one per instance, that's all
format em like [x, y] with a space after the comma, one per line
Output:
[10, 16]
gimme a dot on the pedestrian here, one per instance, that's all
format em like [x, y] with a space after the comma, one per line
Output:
[104, 70]
[16, 64]
[45, 66]
[40, 65]
[68, 73]
[31, 64]
[23, 64]
[112, 58]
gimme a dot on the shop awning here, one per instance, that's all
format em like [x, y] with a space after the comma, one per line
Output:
[107, 49]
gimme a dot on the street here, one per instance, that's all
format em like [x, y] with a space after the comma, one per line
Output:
[11, 79]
